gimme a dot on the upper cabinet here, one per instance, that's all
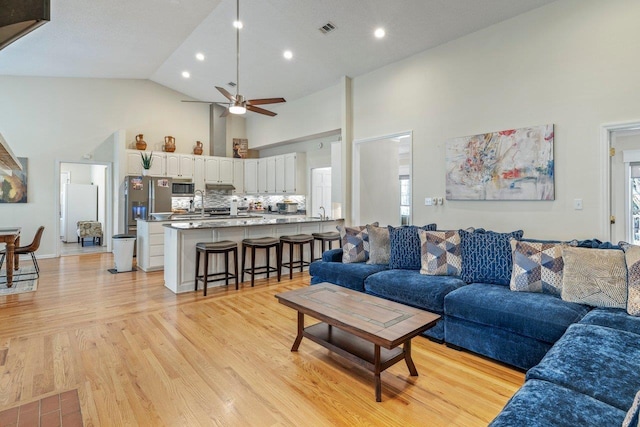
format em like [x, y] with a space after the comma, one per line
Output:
[218, 170]
[284, 174]
[134, 163]
[198, 172]
[251, 176]
[238, 176]
[179, 165]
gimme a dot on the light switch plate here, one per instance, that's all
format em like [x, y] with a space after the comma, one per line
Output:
[577, 204]
[428, 201]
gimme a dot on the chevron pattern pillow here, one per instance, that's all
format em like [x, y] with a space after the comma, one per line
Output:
[441, 253]
[537, 266]
[355, 243]
[596, 277]
[632, 258]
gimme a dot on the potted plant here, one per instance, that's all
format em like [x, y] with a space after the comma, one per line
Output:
[147, 160]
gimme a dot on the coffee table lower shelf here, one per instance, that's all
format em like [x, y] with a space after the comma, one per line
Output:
[358, 350]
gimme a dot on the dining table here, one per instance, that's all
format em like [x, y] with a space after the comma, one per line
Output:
[11, 237]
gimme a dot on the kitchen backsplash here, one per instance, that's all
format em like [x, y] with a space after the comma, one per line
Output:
[221, 199]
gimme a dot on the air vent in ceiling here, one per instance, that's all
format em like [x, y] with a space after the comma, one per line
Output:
[232, 84]
[327, 28]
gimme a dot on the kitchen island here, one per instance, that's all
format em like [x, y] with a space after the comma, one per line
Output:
[180, 240]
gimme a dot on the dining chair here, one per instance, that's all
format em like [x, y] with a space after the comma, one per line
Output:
[29, 249]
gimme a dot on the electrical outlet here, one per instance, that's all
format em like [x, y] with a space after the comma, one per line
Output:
[440, 201]
[577, 204]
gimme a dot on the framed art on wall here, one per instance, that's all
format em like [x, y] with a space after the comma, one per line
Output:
[512, 164]
[13, 188]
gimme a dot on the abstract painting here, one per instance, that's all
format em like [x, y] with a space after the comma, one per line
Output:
[513, 164]
[13, 188]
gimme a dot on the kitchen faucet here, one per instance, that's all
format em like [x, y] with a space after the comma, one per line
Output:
[323, 215]
[201, 201]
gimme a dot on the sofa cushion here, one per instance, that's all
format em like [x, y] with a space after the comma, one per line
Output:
[355, 244]
[332, 255]
[540, 316]
[544, 404]
[379, 245]
[347, 275]
[405, 246]
[596, 277]
[486, 256]
[537, 266]
[412, 288]
[614, 318]
[600, 362]
[440, 253]
[632, 259]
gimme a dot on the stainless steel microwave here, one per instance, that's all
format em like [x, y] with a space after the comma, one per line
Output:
[182, 188]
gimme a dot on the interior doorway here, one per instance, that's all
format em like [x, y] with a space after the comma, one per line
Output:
[382, 189]
[320, 191]
[83, 197]
[624, 187]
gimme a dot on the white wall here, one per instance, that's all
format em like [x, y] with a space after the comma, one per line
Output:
[314, 114]
[46, 119]
[572, 63]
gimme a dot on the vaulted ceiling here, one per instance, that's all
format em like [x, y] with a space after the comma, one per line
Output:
[158, 40]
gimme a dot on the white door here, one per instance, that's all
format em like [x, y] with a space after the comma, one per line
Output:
[65, 178]
[320, 191]
[81, 205]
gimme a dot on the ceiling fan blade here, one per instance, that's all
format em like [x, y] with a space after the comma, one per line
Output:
[260, 110]
[226, 93]
[263, 101]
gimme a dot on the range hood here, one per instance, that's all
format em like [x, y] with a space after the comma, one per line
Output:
[20, 17]
[8, 161]
[219, 187]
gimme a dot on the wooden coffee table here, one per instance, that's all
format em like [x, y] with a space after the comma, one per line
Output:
[365, 329]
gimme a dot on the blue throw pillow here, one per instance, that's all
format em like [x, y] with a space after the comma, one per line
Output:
[486, 256]
[405, 246]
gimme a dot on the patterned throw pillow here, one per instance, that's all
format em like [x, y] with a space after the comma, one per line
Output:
[355, 243]
[538, 266]
[486, 256]
[632, 258]
[441, 253]
[405, 246]
[379, 245]
[631, 419]
[596, 277]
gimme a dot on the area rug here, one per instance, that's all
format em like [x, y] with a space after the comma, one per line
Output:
[24, 280]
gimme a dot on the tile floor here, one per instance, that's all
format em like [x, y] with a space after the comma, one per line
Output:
[59, 410]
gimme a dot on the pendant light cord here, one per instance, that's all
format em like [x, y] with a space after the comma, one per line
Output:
[237, 48]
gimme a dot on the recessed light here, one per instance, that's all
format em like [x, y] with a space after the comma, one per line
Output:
[186, 74]
[200, 56]
[288, 54]
[379, 33]
[237, 24]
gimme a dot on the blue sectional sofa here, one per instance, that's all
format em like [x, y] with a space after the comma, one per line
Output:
[581, 362]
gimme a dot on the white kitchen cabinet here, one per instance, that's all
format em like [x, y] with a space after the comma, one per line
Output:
[262, 175]
[271, 175]
[150, 245]
[218, 170]
[179, 165]
[251, 176]
[238, 176]
[198, 173]
[279, 174]
[134, 163]
[295, 173]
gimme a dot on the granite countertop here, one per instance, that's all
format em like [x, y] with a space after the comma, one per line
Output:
[205, 218]
[248, 222]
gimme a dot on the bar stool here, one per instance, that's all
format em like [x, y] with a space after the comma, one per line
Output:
[300, 240]
[260, 243]
[327, 237]
[222, 247]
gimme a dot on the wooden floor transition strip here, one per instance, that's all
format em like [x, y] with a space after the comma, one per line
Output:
[59, 410]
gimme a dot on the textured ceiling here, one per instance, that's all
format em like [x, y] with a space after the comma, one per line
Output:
[157, 40]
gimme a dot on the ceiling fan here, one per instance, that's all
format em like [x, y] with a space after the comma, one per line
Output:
[237, 103]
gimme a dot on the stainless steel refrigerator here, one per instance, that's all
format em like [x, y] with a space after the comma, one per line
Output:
[145, 195]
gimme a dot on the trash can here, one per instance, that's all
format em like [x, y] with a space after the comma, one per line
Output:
[123, 251]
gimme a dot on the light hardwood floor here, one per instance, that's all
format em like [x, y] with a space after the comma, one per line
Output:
[140, 355]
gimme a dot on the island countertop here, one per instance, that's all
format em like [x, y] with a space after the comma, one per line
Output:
[245, 222]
